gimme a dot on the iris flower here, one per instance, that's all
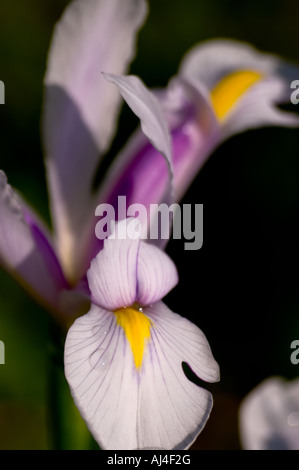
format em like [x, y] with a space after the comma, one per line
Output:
[221, 88]
[269, 416]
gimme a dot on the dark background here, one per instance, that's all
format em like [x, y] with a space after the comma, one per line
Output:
[241, 288]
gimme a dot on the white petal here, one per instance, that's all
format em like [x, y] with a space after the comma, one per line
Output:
[81, 109]
[155, 407]
[269, 416]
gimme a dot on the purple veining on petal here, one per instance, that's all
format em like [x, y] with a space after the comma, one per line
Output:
[46, 250]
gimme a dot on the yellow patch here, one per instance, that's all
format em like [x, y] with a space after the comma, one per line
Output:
[230, 89]
[137, 327]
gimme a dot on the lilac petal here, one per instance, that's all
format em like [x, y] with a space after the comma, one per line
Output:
[155, 407]
[26, 251]
[269, 416]
[80, 112]
[112, 276]
[156, 274]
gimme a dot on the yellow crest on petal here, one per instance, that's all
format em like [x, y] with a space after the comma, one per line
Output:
[136, 326]
[230, 89]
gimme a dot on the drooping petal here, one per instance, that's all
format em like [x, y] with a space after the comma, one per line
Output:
[269, 416]
[156, 274]
[154, 406]
[80, 112]
[245, 85]
[112, 276]
[25, 249]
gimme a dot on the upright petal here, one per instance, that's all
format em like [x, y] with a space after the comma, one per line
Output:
[128, 270]
[80, 111]
[112, 276]
[156, 274]
[155, 406]
[245, 85]
[26, 251]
